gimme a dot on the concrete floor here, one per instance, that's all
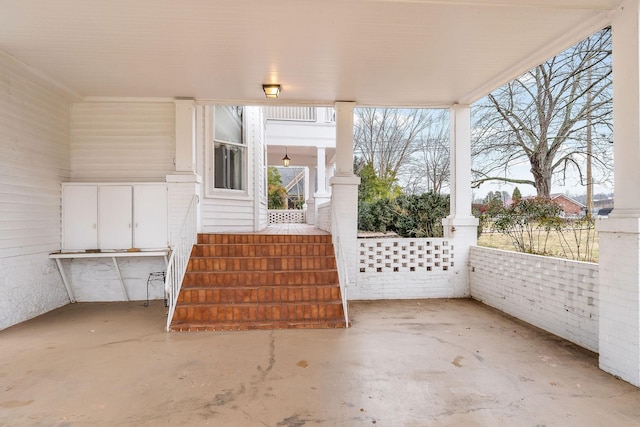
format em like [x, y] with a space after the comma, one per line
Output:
[403, 363]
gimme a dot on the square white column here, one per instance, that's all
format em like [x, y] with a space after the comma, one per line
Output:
[461, 225]
[619, 235]
[344, 189]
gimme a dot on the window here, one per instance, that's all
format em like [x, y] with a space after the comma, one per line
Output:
[229, 154]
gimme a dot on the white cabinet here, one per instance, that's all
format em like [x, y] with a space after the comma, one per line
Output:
[150, 216]
[79, 217]
[114, 216]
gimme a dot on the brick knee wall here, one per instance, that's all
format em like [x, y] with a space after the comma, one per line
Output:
[557, 295]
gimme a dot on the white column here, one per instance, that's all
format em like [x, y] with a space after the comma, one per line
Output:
[344, 189]
[307, 185]
[309, 201]
[185, 182]
[619, 235]
[322, 179]
[185, 136]
[461, 225]
[321, 195]
[344, 138]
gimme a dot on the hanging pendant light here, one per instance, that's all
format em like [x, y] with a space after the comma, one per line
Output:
[286, 160]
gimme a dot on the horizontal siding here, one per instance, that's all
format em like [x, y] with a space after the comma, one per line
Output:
[227, 215]
[34, 160]
[117, 142]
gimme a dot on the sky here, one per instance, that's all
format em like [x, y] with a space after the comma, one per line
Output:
[571, 186]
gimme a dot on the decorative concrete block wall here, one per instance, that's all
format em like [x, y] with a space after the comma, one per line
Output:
[403, 268]
[284, 216]
[557, 295]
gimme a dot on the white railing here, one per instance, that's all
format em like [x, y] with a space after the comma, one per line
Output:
[286, 216]
[343, 272]
[329, 115]
[302, 114]
[180, 254]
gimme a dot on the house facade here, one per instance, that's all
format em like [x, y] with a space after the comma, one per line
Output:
[133, 100]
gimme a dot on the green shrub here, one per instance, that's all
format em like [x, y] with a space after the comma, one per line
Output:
[408, 216]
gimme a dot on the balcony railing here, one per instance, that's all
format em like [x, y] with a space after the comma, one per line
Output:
[300, 114]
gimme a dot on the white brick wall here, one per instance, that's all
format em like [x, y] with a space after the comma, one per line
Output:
[34, 160]
[323, 221]
[557, 295]
[95, 280]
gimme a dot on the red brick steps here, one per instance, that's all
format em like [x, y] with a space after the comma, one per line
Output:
[258, 281]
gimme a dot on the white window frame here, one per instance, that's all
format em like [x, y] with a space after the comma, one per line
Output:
[210, 141]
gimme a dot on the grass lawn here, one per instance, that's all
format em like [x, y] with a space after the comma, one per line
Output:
[555, 245]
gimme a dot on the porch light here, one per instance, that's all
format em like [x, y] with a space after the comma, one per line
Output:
[271, 91]
[285, 160]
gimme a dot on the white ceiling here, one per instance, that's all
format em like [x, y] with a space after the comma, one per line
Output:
[374, 52]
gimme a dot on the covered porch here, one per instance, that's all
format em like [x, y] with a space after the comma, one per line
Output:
[163, 63]
[403, 363]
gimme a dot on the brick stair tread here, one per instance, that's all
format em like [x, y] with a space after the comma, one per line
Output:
[248, 326]
[260, 278]
[261, 238]
[255, 294]
[261, 264]
[260, 313]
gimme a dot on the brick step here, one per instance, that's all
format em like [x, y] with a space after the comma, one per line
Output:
[259, 294]
[260, 278]
[263, 312]
[298, 263]
[262, 238]
[252, 326]
[262, 250]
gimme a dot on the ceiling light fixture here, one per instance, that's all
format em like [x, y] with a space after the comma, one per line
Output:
[286, 160]
[271, 91]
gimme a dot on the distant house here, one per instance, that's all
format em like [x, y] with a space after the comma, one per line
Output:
[570, 207]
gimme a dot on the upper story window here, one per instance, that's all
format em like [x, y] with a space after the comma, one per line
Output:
[230, 150]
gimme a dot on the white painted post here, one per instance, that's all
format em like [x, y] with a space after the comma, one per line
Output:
[185, 136]
[321, 195]
[619, 235]
[185, 182]
[461, 224]
[344, 188]
[321, 160]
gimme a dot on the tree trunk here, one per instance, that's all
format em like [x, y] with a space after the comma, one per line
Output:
[542, 178]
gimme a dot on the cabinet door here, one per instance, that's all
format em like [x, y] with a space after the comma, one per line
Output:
[150, 216]
[114, 217]
[79, 217]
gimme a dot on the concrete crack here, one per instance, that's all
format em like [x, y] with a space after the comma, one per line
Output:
[272, 360]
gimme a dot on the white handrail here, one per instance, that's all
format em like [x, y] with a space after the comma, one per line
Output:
[180, 254]
[343, 274]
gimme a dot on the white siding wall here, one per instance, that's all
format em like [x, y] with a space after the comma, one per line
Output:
[122, 141]
[557, 295]
[34, 160]
[228, 211]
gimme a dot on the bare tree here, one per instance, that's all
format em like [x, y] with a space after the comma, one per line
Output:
[542, 118]
[430, 169]
[386, 137]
